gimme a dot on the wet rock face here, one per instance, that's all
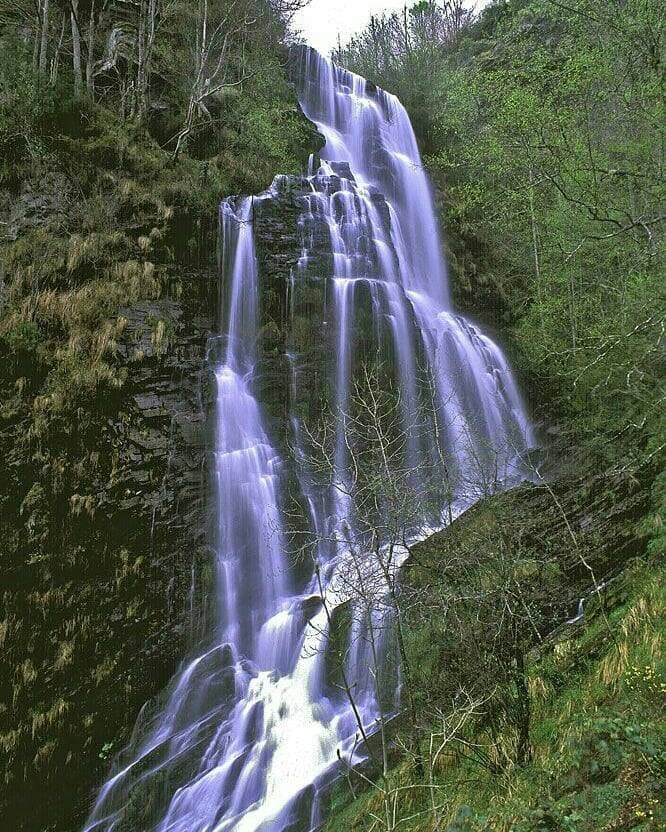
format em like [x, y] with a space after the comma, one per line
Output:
[37, 205]
[296, 307]
[102, 608]
[294, 330]
[158, 494]
[163, 432]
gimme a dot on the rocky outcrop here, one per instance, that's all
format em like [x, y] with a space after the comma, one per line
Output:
[37, 205]
[297, 347]
[584, 523]
[101, 587]
[293, 336]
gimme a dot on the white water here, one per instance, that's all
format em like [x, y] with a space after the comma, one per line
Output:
[251, 724]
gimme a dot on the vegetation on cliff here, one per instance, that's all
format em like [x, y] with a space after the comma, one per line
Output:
[122, 124]
[542, 126]
[596, 690]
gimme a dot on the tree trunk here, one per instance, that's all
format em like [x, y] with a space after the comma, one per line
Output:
[409, 679]
[524, 750]
[140, 64]
[90, 57]
[55, 60]
[405, 30]
[378, 693]
[38, 34]
[146, 41]
[76, 46]
[44, 45]
[535, 247]
[375, 43]
[343, 673]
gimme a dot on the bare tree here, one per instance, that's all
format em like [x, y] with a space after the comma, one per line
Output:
[44, 42]
[213, 72]
[412, 38]
[55, 58]
[76, 45]
[381, 498]
[90, 51]
[484, 594]
[145, 44]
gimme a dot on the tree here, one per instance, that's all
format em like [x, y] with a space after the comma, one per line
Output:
[380, 501]
[213, 72]
[480, 601]
[76, 45]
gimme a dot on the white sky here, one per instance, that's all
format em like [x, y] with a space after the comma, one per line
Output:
[321, 20]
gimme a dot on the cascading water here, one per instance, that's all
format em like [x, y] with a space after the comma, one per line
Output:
[251, 723]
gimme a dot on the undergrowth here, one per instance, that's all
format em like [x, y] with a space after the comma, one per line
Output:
[599, 745]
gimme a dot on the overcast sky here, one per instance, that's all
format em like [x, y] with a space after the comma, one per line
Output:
[322, 20]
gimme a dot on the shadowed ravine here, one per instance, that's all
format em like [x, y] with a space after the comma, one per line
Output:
[251, 723]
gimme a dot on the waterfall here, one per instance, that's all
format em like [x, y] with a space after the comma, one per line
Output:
[250, 727]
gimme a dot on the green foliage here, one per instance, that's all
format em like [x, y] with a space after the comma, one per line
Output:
[544, 128]
[467, 820]
[21, 103]
[603, 745]
[599, 757]
[24, 337]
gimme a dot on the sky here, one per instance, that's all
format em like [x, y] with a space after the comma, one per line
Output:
[322, 20]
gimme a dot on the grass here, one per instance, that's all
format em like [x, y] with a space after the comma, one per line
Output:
[599, 743]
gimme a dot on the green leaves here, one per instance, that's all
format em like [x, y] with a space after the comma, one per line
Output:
[602, 746]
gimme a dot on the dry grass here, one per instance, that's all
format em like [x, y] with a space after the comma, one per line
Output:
[76, 327]
[26, 672]
[82, 504]
[48, 600]
[52, 718]
[78, 625]
[5, 629]
[540, 690]
[44, 754]
[161, 336]
[65, 655]
[502, 751]
[134, 199]
[614, 664]
[94, 249]
[563, 652]
[637, 628]
[10, 740]
[104, 670]
[640, 615]
[567, 712]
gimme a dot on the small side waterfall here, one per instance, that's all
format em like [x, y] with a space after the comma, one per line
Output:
[251, 725]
